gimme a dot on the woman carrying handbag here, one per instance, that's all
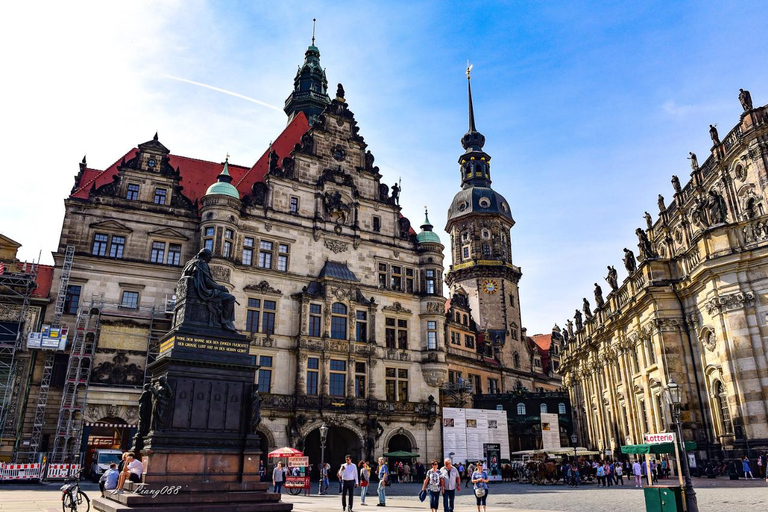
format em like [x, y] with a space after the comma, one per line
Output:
[433, 483]
[365, 477]
[480, 482]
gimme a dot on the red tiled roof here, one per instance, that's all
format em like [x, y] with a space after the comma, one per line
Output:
[197, 175]
[543, 341]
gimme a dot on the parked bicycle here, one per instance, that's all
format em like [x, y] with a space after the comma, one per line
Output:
[73, 499]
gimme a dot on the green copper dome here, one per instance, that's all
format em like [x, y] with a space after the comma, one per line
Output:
[224, 186]
[427, 236]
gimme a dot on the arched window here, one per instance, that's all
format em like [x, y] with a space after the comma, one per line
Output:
[516, 360]
[521, 409]
[339, 321]
[561, 408]
[722, 403]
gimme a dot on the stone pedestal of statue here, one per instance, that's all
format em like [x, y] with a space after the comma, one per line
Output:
[200, 452]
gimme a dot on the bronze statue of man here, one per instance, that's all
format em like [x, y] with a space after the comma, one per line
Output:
[208, 290]
[746, 100]
[162, 394]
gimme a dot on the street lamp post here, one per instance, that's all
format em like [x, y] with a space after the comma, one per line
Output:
[673, 393]
[323, 437]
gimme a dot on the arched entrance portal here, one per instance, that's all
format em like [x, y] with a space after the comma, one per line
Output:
[340, 441]
[399, 442]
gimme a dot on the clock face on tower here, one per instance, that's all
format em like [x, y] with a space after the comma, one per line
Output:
[490, 286]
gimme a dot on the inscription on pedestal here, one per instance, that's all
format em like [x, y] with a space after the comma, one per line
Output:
[202, 343]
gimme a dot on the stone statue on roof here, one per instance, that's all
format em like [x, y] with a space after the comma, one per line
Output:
[587, 309]
[629, 261]
[599, 301]
[676, 184]
[713, 133]
[660, 202]
[612, 278]
[746, 100]
[694, 161]
[648, 220]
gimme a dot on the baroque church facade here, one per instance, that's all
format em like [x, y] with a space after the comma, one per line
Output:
[339, 295]
[692, 309]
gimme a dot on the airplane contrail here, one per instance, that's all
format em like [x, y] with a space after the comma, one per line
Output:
[236, 95]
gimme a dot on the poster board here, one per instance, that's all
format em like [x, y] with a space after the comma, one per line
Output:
[466, 432]
[550, 431]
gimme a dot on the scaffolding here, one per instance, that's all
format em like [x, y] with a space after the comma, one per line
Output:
[38, 423]
[16, 287]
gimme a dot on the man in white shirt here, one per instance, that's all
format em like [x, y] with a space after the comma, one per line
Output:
[349, 482]
[637, 472]
[451, 484]
[132, 471]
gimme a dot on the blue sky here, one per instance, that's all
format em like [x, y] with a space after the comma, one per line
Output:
[587, 108]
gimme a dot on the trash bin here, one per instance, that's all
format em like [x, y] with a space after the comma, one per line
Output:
[661, 498]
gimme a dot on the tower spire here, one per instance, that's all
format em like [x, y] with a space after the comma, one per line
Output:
[314, 20]
[310, 86]
[469, 93]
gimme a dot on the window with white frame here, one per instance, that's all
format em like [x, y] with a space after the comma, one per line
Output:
[521, 409]
[100, 241]
[431, 335]
[208, 240]
[117, 247]
[294, 204]
[396, 384]
[158, 252]
[130, 300]
[247, 251]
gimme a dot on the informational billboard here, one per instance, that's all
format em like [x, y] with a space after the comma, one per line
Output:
[550, 431]
[467, 432]
[50, 338]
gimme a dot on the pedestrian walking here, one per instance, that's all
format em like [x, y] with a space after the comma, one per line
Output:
[600, 475]
[746, 467]
[324, 482]
[480, 483]
[365, 478]
[451, 484]
[278, 477]
[619, 473]
[637, 471]
[383, 478]
[433, 484]
[574, 474]
[349, 482]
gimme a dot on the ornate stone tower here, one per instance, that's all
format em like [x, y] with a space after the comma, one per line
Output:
[479, 222]
[310, 88]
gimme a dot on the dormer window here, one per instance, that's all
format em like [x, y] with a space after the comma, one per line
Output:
[133, 192]
[160, 195]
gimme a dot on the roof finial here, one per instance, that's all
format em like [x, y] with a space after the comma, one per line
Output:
[155, 137]
[471, 108]
[314, 20]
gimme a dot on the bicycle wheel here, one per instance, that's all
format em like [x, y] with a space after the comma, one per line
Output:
[83, 502]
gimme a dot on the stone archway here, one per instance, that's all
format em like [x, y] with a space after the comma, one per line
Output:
[401, 437]
[341, 440]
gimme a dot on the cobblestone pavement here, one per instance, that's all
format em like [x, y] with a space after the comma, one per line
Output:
[713, 496]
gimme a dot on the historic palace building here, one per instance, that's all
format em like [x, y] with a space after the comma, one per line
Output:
[341, 298]
[693, 308]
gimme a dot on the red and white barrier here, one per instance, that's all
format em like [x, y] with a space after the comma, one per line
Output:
[9, 472]
[61, 471]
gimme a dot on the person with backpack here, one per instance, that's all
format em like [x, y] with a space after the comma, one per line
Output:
[433, 484]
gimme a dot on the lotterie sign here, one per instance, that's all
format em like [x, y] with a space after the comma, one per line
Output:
[665, 437]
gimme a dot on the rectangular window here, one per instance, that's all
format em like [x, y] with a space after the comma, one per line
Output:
[339, 321]
[478, 389]
[382, 275]
[100, 244]
[209, 231]
[160, 195]
[260, 316]
[268, 316]
[117, 247]
[430, 280]
[409, 280]
[130, 300]
[174, 254]
[469, 341]
[390, 332]
[229, 234]
[208, 244]
[359, 380]
[265, 374]
[402, 334]
[493, 386]
[265, 254]
[396, 384]
[227, 248]
[133, 192]
[313, 365]
[72, 299]
[432, 335]
[338, 378]
[247, 251]
[465, 252]
[294, 205]
[282, 257]
[315, 318]
[361, 327]
[158, 252]
[376, 223]
[396, 278]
